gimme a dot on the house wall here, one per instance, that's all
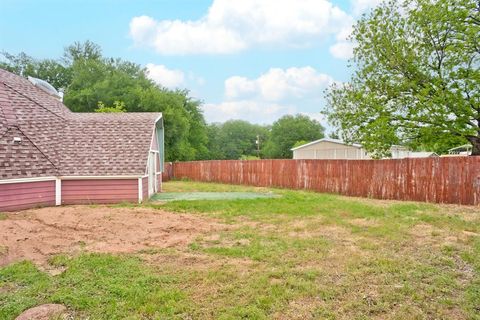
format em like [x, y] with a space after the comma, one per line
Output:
[145, 188]
[25, 195]
[99, 191]
[330, 150]
[399, 152]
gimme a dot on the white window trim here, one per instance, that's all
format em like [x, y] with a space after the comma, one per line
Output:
[140, 190]
[58, 192]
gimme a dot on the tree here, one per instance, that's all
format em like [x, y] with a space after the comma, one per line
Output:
[287, 131]
[49, 70]
[417, 79]
[118, 107]
[215, 150]
[299, 143]
[236, 138]
[87, 50]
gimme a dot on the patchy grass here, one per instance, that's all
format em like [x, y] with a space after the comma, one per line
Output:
[98, 286]
[301, 256]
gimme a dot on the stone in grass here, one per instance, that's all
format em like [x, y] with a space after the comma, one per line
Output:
[43, 312]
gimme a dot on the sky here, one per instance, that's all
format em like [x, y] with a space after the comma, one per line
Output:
[255, 60]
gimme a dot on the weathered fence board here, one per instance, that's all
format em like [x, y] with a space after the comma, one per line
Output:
[442, 180]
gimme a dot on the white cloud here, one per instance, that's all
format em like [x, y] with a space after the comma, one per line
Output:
[250, 110]
[316, 116]
[279, 84]
[342, 50]
[272, 95]
[361, 6]
[254, 112]
[142, 28]
[234, 25]
[343, 47]
[165, 77]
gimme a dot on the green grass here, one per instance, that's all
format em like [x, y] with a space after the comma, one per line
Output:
[300, 256]
[100, 286]
[181, 196]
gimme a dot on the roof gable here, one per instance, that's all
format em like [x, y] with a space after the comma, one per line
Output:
[326, 140]
[74, 143]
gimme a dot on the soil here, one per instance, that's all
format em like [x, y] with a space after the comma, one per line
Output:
[40, 233]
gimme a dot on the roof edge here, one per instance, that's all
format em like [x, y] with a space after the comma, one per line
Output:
[327, 140]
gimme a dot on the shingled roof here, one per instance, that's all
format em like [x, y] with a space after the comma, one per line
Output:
[56, 141]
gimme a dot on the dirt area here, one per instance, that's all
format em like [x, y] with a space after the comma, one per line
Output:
[37, 234]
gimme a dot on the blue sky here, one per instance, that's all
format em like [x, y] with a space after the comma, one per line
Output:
[245, 59]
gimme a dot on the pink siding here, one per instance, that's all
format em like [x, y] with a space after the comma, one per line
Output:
[99, 191]
[145, 188]
[25, 195]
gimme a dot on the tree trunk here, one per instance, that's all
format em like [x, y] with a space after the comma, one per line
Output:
[475, 141]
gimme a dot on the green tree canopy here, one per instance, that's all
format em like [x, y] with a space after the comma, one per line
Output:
[287, 131]
[118, 107]
[417, 77]
[299, 143]
[235, 139]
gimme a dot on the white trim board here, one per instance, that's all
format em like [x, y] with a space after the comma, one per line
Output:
[98, 177]
[52, 178]
[58, 192]
[24, 180]
[140, 190]
[356, 145]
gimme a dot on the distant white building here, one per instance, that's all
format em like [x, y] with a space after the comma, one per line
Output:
[464, 150]
[422, 154]
[337, 149]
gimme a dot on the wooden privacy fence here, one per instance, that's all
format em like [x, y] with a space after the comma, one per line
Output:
[443, 180]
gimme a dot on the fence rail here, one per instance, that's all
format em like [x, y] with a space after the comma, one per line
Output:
[444, 180]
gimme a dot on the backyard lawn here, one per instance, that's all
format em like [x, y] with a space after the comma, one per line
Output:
[295, 255]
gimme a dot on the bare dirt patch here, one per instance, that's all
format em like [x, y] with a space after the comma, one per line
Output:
[38, 234]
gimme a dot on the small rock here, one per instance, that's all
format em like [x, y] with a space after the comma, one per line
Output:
[42, 312]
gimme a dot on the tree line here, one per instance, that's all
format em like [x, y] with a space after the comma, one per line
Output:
[94, 83]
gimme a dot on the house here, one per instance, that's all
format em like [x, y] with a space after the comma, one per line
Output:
[337, 149]
[422, 154]
[464, 150]
[52, 156]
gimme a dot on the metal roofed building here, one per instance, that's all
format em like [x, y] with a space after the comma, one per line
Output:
[327, 148]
